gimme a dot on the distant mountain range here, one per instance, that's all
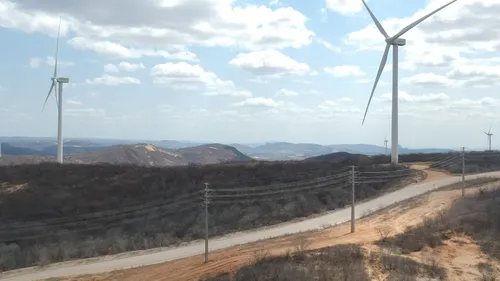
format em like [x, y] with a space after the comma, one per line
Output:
[138, 154]
[298, 151]
[266, 151]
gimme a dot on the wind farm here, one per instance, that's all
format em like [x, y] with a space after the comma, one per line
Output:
[208, 140]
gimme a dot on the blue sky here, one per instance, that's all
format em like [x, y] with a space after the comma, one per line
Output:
[250, 71]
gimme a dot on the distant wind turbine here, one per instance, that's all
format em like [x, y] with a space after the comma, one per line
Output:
[488, 135]
[385, 142]
[394, 41]
[57, 83]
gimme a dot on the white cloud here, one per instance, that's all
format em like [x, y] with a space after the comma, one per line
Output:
[464, 28]
[113, 80]
[286, 93]
[152, 25]
[344, 6]
[183, 75]
[117, 50]
[123, 66]
[479, 104]
[422, 98]
[50, 61]
[344, 71]
[237, 94]
[476, 75]
[329, 109]
[111, 68]
[269, 63]
[428, 80]
[258, 102]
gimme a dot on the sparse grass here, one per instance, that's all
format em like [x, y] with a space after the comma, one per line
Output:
[342, 262]
[260, 256]
[476, 216]
[384, 231]
[488, 272]
[347, 262]
[302, 245]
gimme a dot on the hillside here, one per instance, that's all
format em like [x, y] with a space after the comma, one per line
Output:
[403, 158]
[92, 210]
[475, 162]
[141, 154]
[136, 154]
[212, 154]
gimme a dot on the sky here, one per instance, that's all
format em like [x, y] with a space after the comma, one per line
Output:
[251, 70]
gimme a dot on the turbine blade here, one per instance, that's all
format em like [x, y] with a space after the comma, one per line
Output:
[55, 93]
[375, 20]
[48, 95]
[489, 130]
[57, 47]
[412, 25]
[379, 73]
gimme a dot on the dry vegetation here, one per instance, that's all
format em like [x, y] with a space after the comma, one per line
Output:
[347, 262]
[46, 211]
[475, 162]
[476, 216]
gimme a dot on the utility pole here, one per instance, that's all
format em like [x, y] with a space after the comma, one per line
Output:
[463, 171]
[353, 194]
[207, 200]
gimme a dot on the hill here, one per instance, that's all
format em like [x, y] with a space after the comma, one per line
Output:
[51, 212]
[212, 154]
[141, 154]
[299, 151]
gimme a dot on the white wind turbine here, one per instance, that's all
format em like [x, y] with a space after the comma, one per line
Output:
[57, 83]
[394, 41]
[489, 134]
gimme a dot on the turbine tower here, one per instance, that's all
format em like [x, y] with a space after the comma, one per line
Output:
[488, 135]
[385, 142]
[57, 82]
[394, 41]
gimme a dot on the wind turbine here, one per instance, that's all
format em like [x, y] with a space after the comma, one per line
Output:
[394, 41]
[489, 134]
[57, 83]
[385, 142]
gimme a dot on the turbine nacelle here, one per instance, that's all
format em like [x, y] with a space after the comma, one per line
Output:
[396, 42]
[62, 80]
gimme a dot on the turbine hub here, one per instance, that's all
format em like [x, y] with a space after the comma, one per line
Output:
[396, 42]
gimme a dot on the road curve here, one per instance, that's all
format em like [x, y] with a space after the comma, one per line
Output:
[110, 263]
